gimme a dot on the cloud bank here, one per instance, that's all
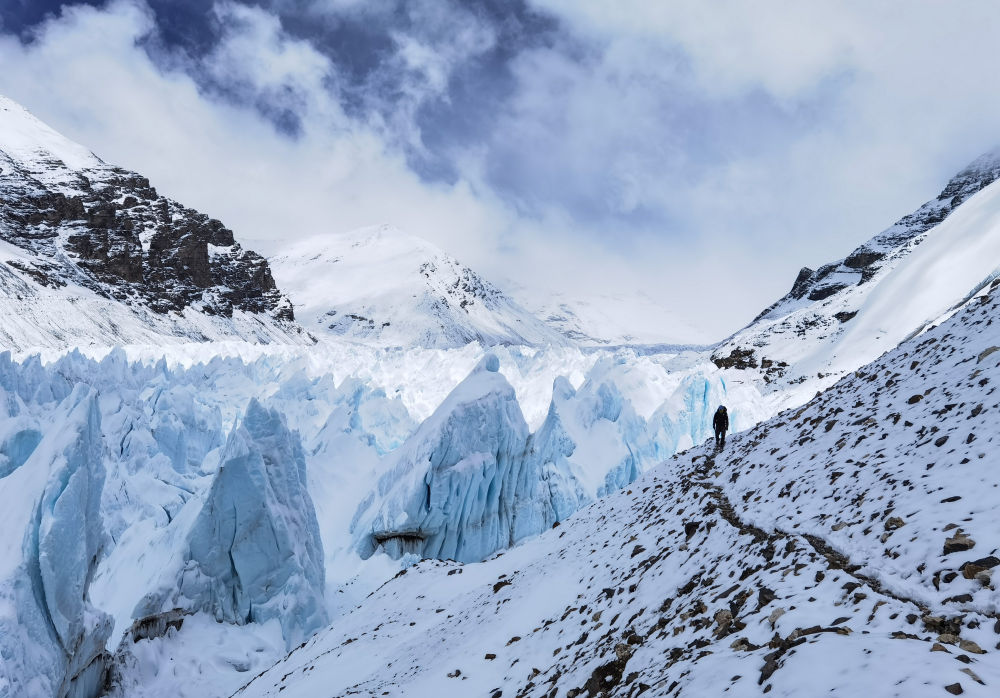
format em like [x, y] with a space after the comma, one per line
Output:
[699, 153]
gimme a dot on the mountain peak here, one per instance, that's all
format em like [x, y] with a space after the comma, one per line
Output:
[385, 286]
[28, 141]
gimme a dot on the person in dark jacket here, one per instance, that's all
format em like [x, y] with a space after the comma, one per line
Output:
[721, 424]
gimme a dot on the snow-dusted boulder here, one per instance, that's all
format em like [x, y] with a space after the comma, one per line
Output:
[461, 487]
[254, 550]
[52, 640]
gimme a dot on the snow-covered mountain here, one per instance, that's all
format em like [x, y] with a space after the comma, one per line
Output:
[382, 286]
[91, 254]
[848, 312]
[843, 548]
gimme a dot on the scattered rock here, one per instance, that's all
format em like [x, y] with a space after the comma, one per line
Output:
[723, 619]
[972, 568]
[893, 523]
[970, 646]
[954, 689]
[764, 597]
[986, 352]
[958, 543]
[972, 675]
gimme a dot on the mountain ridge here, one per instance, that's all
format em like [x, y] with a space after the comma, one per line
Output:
[78, 231]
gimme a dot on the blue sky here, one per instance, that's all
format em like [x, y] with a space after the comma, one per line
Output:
[699, 153]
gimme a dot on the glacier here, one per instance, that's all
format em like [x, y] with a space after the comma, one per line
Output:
[254, 550]
[244, 483]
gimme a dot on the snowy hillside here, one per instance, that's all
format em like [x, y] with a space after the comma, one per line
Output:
[381, 286]
[844, 548]
[91, 254]
[849, 312]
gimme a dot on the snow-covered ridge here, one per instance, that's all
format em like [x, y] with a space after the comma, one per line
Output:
[381, 286]
[90, 253]
[613, 319]
[848, 312]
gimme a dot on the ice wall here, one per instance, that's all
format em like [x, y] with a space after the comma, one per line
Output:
[254, 550]
[52, 640]
[461, 487]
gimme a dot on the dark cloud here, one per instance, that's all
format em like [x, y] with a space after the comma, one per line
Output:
[363, 43]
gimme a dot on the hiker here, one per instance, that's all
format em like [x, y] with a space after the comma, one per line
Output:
[721, 424]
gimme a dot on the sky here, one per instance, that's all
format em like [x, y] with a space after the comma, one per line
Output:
[696, 153]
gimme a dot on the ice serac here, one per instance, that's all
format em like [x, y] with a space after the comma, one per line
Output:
[52, 640]
[591, 443]
[460, 488]
[254, 549]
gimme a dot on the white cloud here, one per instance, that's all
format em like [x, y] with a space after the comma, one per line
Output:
[700, 152]
[86, 75]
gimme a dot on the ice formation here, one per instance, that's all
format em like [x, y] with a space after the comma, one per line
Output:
[52, 639]
[460, 488]
[254, 550]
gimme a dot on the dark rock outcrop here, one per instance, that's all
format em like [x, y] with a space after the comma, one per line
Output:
[108, 230]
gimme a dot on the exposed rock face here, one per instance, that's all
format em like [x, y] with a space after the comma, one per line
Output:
[118, 237]
[81, 221]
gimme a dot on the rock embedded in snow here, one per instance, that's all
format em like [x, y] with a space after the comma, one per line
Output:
[958, 543]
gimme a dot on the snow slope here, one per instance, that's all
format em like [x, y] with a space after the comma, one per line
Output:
[849, 312]
[844, 548]
[381, 286]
